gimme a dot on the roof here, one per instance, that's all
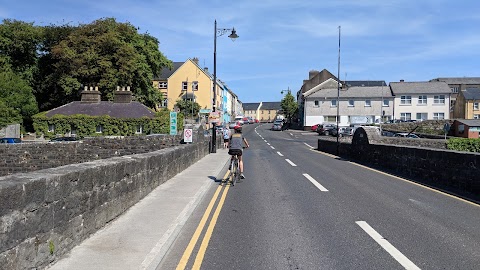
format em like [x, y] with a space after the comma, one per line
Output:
[166, 72]
[420, 88]
[365, 83]
[471, 93]
[133, 109]
[459, 80]
[470, 122]
[354, 92]
[250, 106]
[271, 106]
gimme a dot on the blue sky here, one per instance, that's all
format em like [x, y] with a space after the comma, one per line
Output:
[282, 40]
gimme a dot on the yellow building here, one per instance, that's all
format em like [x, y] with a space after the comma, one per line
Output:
[467, 105]
[186, 80]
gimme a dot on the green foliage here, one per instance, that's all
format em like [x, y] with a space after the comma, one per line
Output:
[186, 106]
[289, 106]
[464, 144]
[86, 126]
[17, 102]
[51, 247]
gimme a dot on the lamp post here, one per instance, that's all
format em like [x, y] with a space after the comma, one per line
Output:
[338, 91]
[233, 36]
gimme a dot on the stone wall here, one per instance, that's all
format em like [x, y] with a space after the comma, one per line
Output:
[452, 171]
[27, 157]
[45, 213]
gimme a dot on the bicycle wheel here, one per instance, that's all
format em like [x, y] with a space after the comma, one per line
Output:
[236, 173]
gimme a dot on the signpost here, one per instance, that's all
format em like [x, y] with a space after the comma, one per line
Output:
[446, 128]
[188, 135]
[173, 123]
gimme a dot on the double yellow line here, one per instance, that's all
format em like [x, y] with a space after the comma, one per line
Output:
[208, 234]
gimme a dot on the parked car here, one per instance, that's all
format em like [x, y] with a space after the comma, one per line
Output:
[10, 140]
[325, 129]
[341, 131]
[314, 127]
[406, 135]
[277, 127]
[64, 139]
[348, 131]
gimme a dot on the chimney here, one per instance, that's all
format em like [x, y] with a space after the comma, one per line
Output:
[90, 96]
[122, 95]
[206, 69]
[312, 73]
[195, 60]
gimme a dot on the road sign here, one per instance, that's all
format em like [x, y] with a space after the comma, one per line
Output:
[214, 117]
[173, 123]
[188, 135]
[205, 110]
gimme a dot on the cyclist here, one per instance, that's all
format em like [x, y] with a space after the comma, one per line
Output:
[226, 136]
[236, 147]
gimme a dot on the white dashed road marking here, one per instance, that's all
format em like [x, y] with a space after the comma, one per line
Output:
[280, 154]
[397, 255]
[315, 183]
[308, 145]
[291, 163]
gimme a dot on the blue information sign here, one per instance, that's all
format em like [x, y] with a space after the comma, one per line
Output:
[173, 123]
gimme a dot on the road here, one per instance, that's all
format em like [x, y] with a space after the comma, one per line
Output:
[303, 209]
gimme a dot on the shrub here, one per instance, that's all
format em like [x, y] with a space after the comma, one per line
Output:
[463, 144]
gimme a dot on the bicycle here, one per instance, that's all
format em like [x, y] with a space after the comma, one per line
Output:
[234, 170]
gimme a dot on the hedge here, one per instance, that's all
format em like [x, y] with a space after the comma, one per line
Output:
[463, 144]
[86, 126]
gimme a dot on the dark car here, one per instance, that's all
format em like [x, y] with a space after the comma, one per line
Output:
[325, 129]
[277, 127]
[64, 139]
[10, 140]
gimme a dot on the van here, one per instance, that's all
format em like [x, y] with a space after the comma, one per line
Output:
[239, 119]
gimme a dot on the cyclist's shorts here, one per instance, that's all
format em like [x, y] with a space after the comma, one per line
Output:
[234, 152]
[226, 140]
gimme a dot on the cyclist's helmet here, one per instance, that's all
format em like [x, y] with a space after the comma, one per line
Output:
[238, 128]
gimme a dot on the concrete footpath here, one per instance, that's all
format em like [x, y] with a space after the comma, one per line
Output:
[140, 237]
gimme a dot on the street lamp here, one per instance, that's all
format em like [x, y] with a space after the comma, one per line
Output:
[338, 92]
[233, 36]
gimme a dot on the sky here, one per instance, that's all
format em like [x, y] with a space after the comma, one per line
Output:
[280, 41]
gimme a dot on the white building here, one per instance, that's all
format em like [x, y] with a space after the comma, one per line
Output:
[357, 105]
[421, 100]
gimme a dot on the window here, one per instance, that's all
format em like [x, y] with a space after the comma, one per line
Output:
[316, 103]
[405, 116]
[439, 99]
[476, 116]
[351, 103]
[333, 103]
[184, 86]
[51, 128]
[422, 116]
[422, 100]
[454, 89]
[73, 130]
[330, 118]
[99, 129]
[368, 103]
[162, 85]
[164, 103]
[195, 86]
[385, 103]
[438, 116]
[405, 100]
[139, 129]
[475, 105]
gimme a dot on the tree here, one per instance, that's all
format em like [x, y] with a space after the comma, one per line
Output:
[289, 106]
[18, 48]
[17, 101]
[106, 54]
[188, 107]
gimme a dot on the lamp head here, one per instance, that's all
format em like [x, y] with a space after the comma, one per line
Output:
[233, 35]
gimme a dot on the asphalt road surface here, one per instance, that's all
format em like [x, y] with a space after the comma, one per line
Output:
[299, 208]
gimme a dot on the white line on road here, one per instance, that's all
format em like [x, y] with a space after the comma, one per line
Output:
[265, 140]
[268, 143]
[291, 163]
[272, 147]
[315, 183]
[291, 134]
[308, 145]
[397, 255]
[280, 154]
